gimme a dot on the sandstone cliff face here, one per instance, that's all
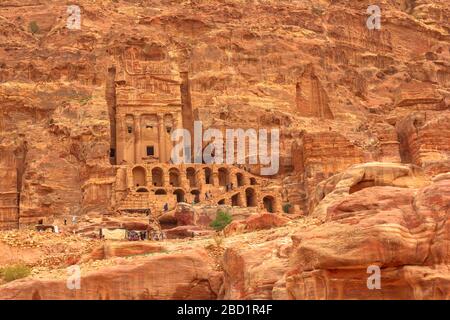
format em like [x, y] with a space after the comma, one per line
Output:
[364, 129]
[57, 142]
[425, 141]
[401, 228]
[57, 84]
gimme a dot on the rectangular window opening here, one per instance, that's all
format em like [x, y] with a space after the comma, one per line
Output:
[150, 151]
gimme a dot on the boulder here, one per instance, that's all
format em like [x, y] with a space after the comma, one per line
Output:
[186, 232]
[251, 272]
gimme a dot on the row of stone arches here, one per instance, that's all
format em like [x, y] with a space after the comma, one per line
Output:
[249, 199]
[179, 193]
[157, 191]
[158, 177]
[195, 183]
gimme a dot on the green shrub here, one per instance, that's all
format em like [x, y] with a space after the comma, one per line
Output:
[286, 207]
[34, 28]
[222, 220]
[15, 272]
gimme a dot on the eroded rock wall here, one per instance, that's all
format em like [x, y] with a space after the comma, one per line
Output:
[244, 60]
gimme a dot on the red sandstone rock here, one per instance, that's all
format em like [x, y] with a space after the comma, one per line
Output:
[401, 230]
[256, 222]
[169, 276]
[186, 232]
[135, 225]
[122, 249]
[363, 176]
[425, 140]
[250, 272]
[185, 215]
[341, 95]
[56, 137]
[415, 93]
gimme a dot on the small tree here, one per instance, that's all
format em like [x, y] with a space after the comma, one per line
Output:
[222, 220]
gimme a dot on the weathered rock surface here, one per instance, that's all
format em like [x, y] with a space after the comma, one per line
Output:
[186, 232]
[341, 95]
[403, 231]
[363, 176]
[251, 272]
[122, 249]
[290, 65]
[173, 276]
[42, 249]
[256, 222]
[401, 227]
[425, 140]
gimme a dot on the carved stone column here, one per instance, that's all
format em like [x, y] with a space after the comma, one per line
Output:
[278, 208]
[214, 176]
[232, 178]
[166, 178]
[120, 139]
[176, 125]
[162, 142]
[245, 178]
[137, 139]
[200, 178]
[185, 184]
